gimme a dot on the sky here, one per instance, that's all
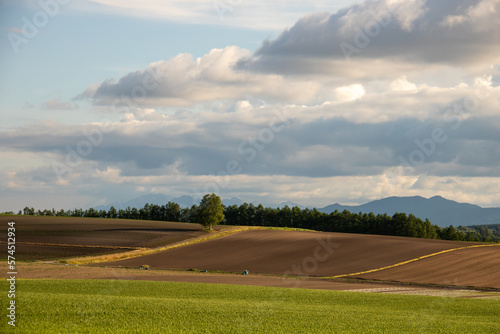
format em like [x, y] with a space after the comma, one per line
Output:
[303, 101]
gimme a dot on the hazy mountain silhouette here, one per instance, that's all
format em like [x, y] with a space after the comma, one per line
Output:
[440, 211]
[161, 199]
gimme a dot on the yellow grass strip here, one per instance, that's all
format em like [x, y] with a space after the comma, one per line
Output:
[410, 261]
[137, 253]
[72, 245]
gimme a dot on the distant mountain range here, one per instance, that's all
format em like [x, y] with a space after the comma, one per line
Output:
[183, 201]
[440, 211]
[160, 199]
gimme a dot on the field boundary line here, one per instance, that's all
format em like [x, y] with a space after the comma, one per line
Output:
[410, 261]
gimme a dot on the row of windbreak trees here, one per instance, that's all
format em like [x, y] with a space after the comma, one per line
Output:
[169, 212]
[400, 224]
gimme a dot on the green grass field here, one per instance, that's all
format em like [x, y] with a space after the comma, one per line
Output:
[112, 306]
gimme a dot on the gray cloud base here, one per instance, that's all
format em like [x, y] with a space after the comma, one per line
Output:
[322, 148]
[377, 30]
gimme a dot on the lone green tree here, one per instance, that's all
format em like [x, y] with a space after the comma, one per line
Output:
[210, 212]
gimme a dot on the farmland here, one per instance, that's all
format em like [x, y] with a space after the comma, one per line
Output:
[268, 252]
[197, 286]
[48, 238]
[117, 306]
[277, 252]
[478, 267]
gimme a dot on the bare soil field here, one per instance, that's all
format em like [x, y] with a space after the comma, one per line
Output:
[293, 253]
[39, 238]
[30, 252]
[59, 271]
[262, 252]
[478, 267]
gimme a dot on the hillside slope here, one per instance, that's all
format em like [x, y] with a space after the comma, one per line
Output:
[479, 267]
[293, 253]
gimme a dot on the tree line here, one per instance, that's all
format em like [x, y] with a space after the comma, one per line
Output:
[399, 224]
[489, 232]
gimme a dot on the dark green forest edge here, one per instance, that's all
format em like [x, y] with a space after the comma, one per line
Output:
[400, 224]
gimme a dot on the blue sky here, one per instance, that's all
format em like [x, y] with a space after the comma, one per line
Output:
[294, 100]
[78, 47]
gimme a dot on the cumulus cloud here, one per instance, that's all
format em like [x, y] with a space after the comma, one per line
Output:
[413, 111]
[350, 93]
[323, 57]
[391, 32]
[184, 81]
[402, 84]
[478, 16]
[309, 154]
[352, 137]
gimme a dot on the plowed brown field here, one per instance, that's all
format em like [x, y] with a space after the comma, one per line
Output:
[293, 253]
[314, 254]
[479, 267]
[43, 238]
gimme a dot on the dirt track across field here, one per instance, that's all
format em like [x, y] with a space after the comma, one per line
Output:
[479, 267]
[293, 253]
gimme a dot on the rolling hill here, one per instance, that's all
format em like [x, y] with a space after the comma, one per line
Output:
[293, 253]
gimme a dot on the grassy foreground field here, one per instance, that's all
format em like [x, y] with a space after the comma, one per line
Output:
[113, 306]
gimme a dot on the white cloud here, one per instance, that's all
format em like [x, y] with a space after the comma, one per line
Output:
[110, 183]
[302, 122]
[480, 16]
[388, 36]
[305, 65]
[184, 81]
[350, 93]
[402, 84]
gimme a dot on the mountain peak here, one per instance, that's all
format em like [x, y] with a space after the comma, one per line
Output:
[439, 210]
